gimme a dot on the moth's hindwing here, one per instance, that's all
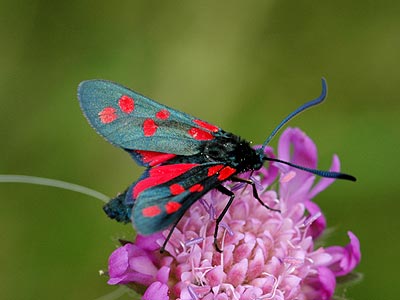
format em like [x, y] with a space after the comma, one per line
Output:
[161, 198]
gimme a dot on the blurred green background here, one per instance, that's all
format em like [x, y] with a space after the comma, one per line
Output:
[240, 64]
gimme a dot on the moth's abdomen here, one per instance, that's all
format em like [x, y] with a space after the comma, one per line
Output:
[118, 209]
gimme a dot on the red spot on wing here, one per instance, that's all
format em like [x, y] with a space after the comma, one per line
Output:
[151, 211]
[172, 207]
[199, 134]
[176, 189]
[196, 188]
[206, 125]
[149, 127]
[214, 169]
[226, 173]
[154, 158]
[159, 175]
[223, 172]
[163, 114]
[171, 171]
[107, 115]
[126, 104]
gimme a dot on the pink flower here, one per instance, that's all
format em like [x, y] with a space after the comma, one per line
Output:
[156, 290]
[266, 254]
[344, 260]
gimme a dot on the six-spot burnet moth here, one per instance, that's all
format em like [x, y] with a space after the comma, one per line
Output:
[185, 157]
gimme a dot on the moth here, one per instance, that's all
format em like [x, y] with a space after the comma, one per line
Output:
[184, 156]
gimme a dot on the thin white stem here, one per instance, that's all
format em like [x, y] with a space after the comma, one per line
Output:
[117, 293]
[54, 183]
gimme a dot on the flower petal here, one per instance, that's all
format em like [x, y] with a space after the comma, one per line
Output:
[237, 273]
[163, 274]
[215, 276]
[319, 224]
[270, 173]
[142, 264]
[345, 258]
[324, 182]
[118, 261]
[156, 291]
[266, 255]
[149, 242]
[296, 147]
[327, 283]
[304, 151]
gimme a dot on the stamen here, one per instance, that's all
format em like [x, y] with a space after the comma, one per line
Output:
[307, 223]
[257, 182]
[209, 208]
[311, 219]
[227, 228]
[291, 244]
[232, 290]
[204, 203]
[194, 241]
[288, 177]
[270, 295]
[192, 293]
[310, 260]
[206, 269]
[201, 278]
[237, 186]
[212, 212]
[293, 261]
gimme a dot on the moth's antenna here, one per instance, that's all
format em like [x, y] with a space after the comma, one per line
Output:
[316, 101]
[296, 112]
[328, 174]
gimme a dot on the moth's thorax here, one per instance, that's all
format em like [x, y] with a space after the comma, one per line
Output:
[234, 151]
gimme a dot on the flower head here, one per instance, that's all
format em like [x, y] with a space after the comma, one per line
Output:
[266, 254]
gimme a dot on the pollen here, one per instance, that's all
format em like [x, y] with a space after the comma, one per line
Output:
[288, 177]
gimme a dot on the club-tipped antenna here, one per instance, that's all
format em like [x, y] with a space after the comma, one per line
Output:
[328, 174]
[297, 111]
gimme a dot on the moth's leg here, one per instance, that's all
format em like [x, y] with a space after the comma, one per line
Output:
[162, 249]
[229, 193]
[255, 193]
